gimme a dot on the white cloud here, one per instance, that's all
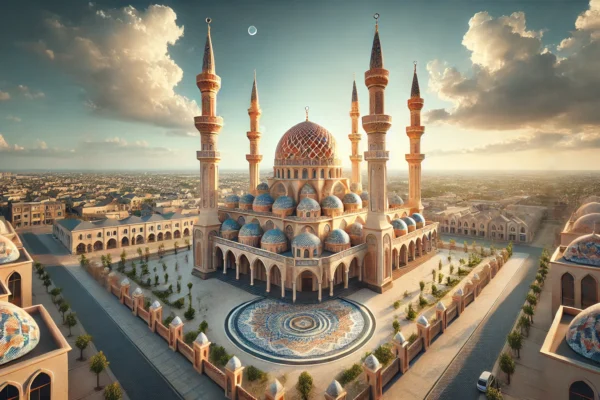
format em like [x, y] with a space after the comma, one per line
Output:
[13, 118]
[29, 94]
[121, 59]
[4, 96]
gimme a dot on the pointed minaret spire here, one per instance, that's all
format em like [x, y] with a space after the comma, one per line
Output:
[354, 93]
[254, 95]
[254, 158]
[376, 54]
[208, 62]
[355, 136]
[415, 92]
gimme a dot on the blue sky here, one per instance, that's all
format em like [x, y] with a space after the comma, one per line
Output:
[62, 68]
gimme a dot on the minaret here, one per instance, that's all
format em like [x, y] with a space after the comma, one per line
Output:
[254, 158]
[414, 133]
[354, 136]
[209, 125]
[377, 230]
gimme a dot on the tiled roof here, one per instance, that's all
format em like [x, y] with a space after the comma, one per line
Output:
[409, 221]
[263, 186]
[418, 217]
[251, 230]
[230, 225]
[396, 200]
[306, 239]
[264, 199]
[338, 236]
[247, 199]
[355, 229]
[399, 224]
[273, 236]
[308, 204]
[332, 202]
[352, 198]
[284, 203]
[307, 189]
[232, 198]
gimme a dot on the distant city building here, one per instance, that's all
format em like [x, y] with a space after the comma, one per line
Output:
[85, 237]
[25, 214]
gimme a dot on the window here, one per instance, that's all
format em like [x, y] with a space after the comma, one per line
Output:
[80, 237]
[158, 227]
[89, 235]
[589, 292]
[567, 290]
[9, 393]
[114, 233]
[125, 231]
[306, 253]
[581, 391]
[141, 229]
[298, 253]
[177, 225]
[40, 388]
[99, 234]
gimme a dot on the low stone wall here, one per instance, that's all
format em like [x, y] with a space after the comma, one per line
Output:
[451, 313]
[469, 298]
[436, 328]
[415, 348]
[185, 350]
[214, 373]
[244, 395]
[162, 330]
[390, 371]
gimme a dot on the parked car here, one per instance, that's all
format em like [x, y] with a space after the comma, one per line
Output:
[486, 380]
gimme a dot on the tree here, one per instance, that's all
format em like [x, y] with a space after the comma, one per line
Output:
[433, 274]
[305, 385]
[422, 286]
[190, 313]
[98, 363]
[203, 326]
[528, 310]
[47, 283]
[452, 244]
[71, 321]
[64, 307]
[507, 365]
[113, 392]
[515, 342]
[396, 326]
[536, 289]
[440, 277]
[509, 248]
[82, 343]
[440, 265]
[176, 246]
[147, 253]
[166, 278]
[178, 287]
[465, 247]
[524, 324]
[189, 285]
[531, 299]
[82, 260]
[493, 394]
[187, 243]
[139, 251]
[56, 291]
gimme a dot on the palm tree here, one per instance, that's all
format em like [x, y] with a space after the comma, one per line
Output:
[515, 342]
[507, 365]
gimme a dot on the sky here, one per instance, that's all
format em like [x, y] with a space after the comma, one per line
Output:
[100, 85]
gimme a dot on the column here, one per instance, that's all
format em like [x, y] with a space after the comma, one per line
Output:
[294, 291]
[282, 288]
[331, 288]
[320, 298]
[252, 275]
[345, 279]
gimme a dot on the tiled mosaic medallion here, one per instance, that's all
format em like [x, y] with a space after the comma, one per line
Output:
[300, 334]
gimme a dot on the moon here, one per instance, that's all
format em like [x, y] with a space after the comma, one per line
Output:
[252, 30]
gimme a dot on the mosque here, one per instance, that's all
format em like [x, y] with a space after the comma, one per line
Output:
[308, 228]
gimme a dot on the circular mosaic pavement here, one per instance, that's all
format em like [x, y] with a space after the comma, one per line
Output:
[299, 334]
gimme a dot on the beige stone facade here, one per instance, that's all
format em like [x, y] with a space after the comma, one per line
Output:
[36, 213]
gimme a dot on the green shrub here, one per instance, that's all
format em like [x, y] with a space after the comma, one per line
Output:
[396, 326]
[255, 374]
[218, 355]
[305, 385]
[189, 337]
[412, 338]
[384, 354]
[350, 374]
[190, 313]
[179, 303]
[203, 326]
[168, 320]
[411, 314]
[422, 301]
[396, 304]
[422, 285]
[493, 394]
[434, 290]
[405, 293]
[440, 278]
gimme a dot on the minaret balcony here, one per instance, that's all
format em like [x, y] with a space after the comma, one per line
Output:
[253, 135]
[417, 157]
[207, 82]
[377, 77]
[354, 137]
[208, 123]
[254, 157]
[208, 155]
[415, 103]
[373, 155]
[415, 131]
[376, 123]
[356, 158]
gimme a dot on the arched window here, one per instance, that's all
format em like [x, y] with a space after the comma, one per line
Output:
[589, 292]
[522, 230]
[567, 290]
[493, 227]
[9, 392]
[40, 388]
[306, 253]
[304, 173]
[580, 391]
[14, 285]
[80, 237]
[322, 173]
[512, 229]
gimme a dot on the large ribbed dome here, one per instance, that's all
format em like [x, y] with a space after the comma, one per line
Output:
[306, 141]
[583, 334]
[587, 223]
[589, 208]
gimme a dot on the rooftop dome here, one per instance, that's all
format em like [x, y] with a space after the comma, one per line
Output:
[337, 236]
[8, 250]
[335, 389]
[273, 236]
[418, 218]
[201, 338]
[284, 203]
[306, 141]
[247, 199]
[351, 198]
[332, 202]
[396, 200]
[19, 332]
[308, 204]
[264, 199]
[584, 250]
[583, 334]
[307, 189]
[176, 321]
[589, 208]
[306, 239]
[372, 362]
[587, 223]
[233, 363]
[3, 228]
[155, 305]
[409, 221]
[364, 196]
[399, 224]
[232, 198]
[230, 225]
[355, 229]
[251, 229]
[263, 186]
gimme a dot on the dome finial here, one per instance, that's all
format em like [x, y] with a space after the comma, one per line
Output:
[376, 16]
[414, 62]
[306, 111]
[376, 54]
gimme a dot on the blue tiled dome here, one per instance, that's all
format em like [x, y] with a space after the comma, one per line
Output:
[251, 230]
[364, 196]
[264, 199]
[418, 218]
[584, 250]
[308, 204]
[232, 198]
[274, 236]
[230, 225]
[262, 186]
[247, 199]
[306, 239]
[409, 221]
[396, 200]
[307, 189]
[284, 203]
[332, 202]
[352, 198]
[583, 334]
[338, 236]
[399, 224]
[355, 229]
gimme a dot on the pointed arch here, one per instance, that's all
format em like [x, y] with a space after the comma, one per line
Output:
[567, 283]
[589, 291]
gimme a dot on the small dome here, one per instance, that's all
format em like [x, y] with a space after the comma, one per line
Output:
[201, 338]
[422, 321]
[284, 203]
[247, 199]
[8, 250]
[440, 306]
[232, 198]
[251, 229]
[587, 223]
[308, 204]
[418, 218]
[475, 276]
[372, 362]
[409, 221]
[351, 198]
[155, 305]
[125, 282]
[399, 337]
[334, 389]
[274, 236]
[584, 250]
[176, 321]
[354, 229]
[308, 189]
[399, 224]
[137, 292]
[230, 225]
[262, 186]
[396, 201]
[589, 208]
[233, 363]
[364, 196]
[584, 331]
[306, 239]
[275, 387]
[332, 202]
[18, 330]
[338, 236]
[459, 292]
[264, 199]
